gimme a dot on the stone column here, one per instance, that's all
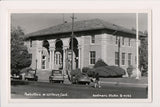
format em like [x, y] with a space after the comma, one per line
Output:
[82, 51]
[65, 46]
[79, 56]
[38, 53]
[104, 47]
[52, 57]
[52, 48]
[39, 58]
[64, 59]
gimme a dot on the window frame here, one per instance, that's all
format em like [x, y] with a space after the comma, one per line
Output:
[58, 58]
[123, 58]
[129, 59]
[92, 57]
[116, 58]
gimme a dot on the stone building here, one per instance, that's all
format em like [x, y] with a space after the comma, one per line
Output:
[93, 39]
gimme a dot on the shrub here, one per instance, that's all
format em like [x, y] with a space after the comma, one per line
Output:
[85, 69]
[108, 71]
[26, 70]
[100, 63]
[75, 72]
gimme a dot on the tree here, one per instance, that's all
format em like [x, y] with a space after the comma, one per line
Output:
[20, 58]
[143, 56]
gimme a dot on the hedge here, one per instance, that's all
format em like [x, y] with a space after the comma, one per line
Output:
[76, 72]
[100, 63]
[107, 71]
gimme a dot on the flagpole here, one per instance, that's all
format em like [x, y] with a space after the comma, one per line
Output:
[72, 41]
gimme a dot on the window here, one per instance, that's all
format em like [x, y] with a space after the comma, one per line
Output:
[123, 40]
[129, 42]
[58, 59]
[116, 58]
[92, 57]
[43, 62]
[129, 58]
[123, 58]
[93, 39]
[116, 39]
[135, 59]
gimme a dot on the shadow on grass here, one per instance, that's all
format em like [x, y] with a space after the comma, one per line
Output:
[19, 82]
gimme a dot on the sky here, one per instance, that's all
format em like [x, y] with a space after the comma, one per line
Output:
[31, 22]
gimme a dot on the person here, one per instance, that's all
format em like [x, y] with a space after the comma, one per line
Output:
[97, 82]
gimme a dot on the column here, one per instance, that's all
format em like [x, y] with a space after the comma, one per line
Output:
[52, 58]
[39, 59]
[82, 51]
[104, 47]
[52, 48]
[79, 57]
[64, 59]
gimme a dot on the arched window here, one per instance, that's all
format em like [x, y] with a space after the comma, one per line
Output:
[58, 59]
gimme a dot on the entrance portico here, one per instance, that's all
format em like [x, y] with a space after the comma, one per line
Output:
[56, 54]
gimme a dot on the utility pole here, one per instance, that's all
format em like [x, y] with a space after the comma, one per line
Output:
[72, 41]
[119, 46]
[36, 67]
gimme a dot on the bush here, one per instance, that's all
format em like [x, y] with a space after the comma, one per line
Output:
[100, 63]
[85, 69]
[75, 72]
[26, 70]
[108, 71]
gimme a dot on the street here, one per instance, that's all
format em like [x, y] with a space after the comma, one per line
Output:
[42, 90]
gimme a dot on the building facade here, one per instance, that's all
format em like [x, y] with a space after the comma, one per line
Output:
[93, 39]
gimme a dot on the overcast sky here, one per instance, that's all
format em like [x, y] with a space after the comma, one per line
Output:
[36, 21]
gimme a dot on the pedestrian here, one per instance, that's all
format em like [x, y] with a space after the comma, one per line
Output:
[97, 82]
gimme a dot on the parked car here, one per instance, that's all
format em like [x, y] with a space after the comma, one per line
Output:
[30, 75]
[56, 76]
[17, 77]
[80, 79]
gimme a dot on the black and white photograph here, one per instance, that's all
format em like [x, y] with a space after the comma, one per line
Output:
[79, 56]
